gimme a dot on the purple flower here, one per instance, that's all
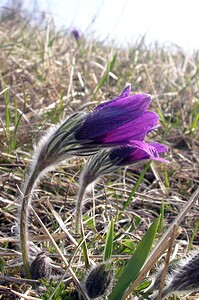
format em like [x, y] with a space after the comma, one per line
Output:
[120, 124]
[76, 34]
[110, 124]
[107, 161]
[135, 152]
[123, 121]
[117, 121]
[133, 130]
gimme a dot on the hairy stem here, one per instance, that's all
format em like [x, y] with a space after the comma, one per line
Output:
[24, 238]
[78, 214]
[79, 229]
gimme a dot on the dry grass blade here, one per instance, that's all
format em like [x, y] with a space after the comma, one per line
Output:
[159, 180]
[17, 280]
[21, 296]
[61, 223]
[162, 244]
[167, 262]
[75, 279]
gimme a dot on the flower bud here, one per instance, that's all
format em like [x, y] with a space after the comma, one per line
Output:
[99, 281]
[173, 265]
[41, 267]
[184, 278]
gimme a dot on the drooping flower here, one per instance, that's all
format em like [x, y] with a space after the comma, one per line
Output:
[137, 151]
[129, 136]
[110, 120]
[110, 124]
[107, 161]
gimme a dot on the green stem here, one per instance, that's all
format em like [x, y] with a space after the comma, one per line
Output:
[24, 239]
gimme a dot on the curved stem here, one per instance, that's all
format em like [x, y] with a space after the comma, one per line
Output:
[24, 239]
[78, 214]
[79, 229]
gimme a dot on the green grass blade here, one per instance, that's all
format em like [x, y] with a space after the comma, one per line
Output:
[109, 241]
[195, 121]
[7, 115]
[105, 76]
[17, 119]
[136, 262]
[161, 116]
[193, 235]
[161, 223]
[132, 193]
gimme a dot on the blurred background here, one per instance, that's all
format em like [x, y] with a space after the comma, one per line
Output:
[124, 21]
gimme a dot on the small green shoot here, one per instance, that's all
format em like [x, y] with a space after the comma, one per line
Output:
[109, 241]
[193, 235]
[59, 293]
[105, 76]
[17, 118]
[161, 224]
[7, 114]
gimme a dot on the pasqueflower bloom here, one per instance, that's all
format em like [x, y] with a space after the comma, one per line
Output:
[76, 34]
[110, 124]
[107, 161]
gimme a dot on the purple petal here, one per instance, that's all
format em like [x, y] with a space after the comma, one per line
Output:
[147, 151]
[134, 130]
[160, 148]
[119, 101]
[137, 151]
[112, 115]
[123, 155]
[126, 93]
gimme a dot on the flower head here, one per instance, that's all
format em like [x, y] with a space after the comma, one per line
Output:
[107, 161]
[75, 33]
[111, 124]
[137, 151]
[108, 122]
[41, 267]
